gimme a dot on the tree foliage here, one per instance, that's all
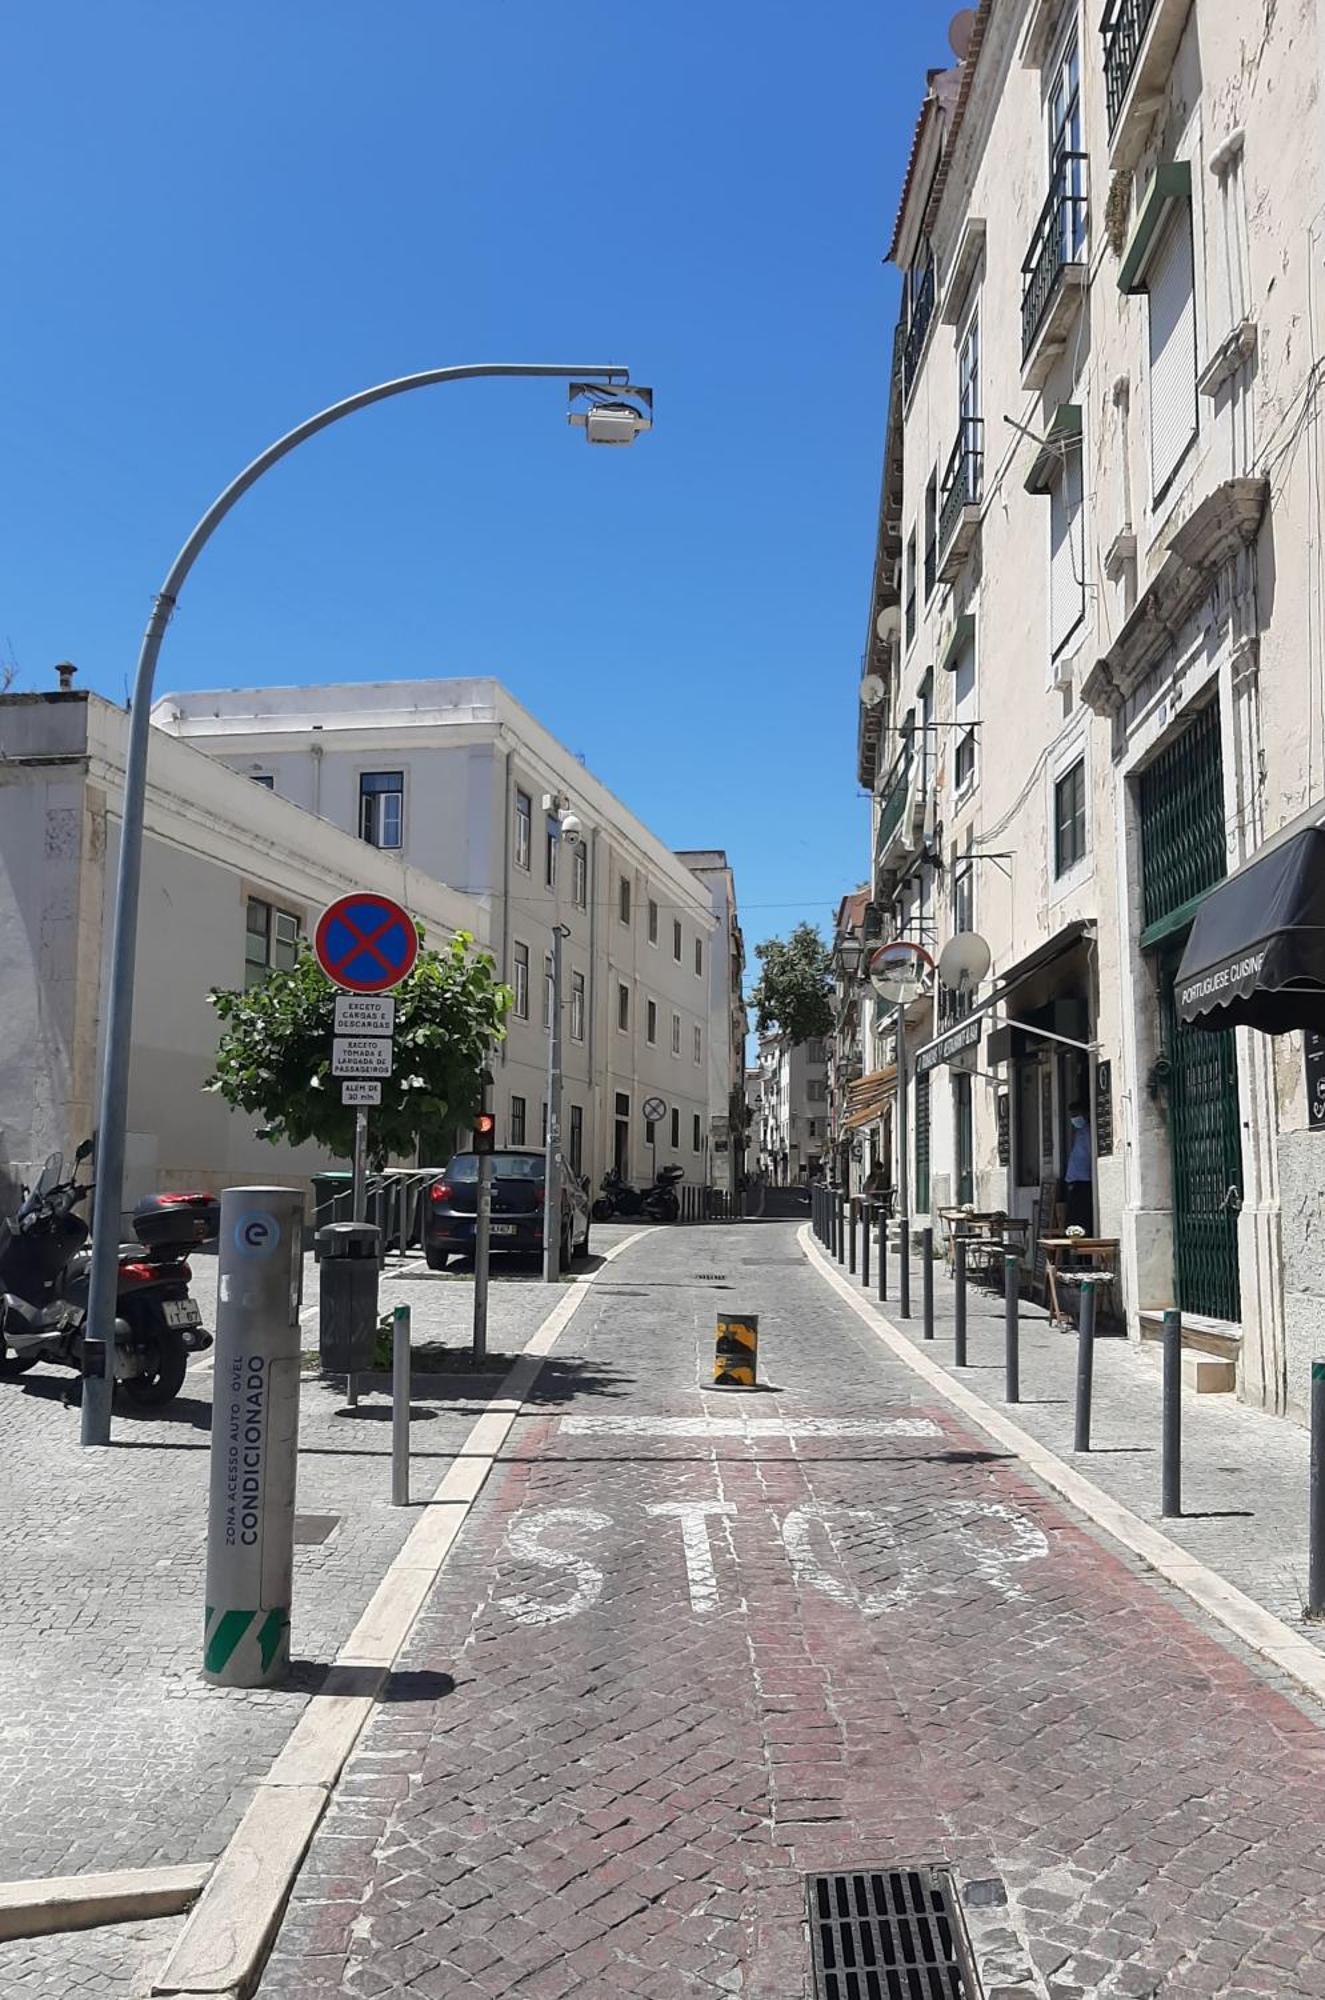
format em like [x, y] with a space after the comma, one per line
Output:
[274, 1056]
[795, 981]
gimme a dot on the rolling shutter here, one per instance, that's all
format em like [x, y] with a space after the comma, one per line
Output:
[1067, 573]
[1172, 311]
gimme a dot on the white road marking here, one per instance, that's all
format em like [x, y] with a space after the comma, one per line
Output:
[990, 1556]
[525, 1542]
[809, 1570]
[752, 1427]
[701, 1577]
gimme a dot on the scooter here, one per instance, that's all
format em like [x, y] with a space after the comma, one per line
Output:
[660, 1202]
[45, 1273]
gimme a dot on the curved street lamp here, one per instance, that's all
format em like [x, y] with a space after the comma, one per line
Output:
[625, 412]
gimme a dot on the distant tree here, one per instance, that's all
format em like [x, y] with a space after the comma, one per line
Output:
[274, 1056]
[792, 992]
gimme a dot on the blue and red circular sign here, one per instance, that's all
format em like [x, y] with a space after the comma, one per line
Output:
[365, 943]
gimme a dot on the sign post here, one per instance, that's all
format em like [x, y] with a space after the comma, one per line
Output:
[255, 1437]
[365, 944]
[655, 1110]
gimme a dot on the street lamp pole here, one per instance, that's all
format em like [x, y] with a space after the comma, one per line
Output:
[99, 1342]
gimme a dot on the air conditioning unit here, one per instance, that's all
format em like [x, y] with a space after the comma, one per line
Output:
[1060, 673]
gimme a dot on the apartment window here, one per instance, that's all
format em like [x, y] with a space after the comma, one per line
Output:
[382, 807]
[547, 990]
[271, 941]
[694, 1134]
[651, 1022]
[576, 1153]
[653, 921]
[1067, 550]
[814, 1049]
[964, 760]
[676, 941]
[676, 1128]
[520, 957]
[699, 958]
[623, 900]
[550, 859]
[517, 1121]
[1171, 305]
[676, 1034]
[524, 820]
[699, 1045]
[622, 1005]
[816, 1089]
[577, 1006]
[963, 895]
[1070, 817]
[911, 586]
[931, 534]
[580, 888]
[263, 778]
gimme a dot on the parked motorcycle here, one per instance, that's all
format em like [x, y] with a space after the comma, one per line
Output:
[45, 1271]
[618, 1197]
[660, 1201]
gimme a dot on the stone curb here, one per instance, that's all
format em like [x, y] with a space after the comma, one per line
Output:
[225, 1942]
[1230, 1607]
[81, 1902]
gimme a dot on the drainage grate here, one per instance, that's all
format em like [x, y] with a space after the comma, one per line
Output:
[888, 1934]
[710, 1278]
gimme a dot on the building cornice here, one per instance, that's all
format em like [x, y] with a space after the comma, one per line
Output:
[1224, 522]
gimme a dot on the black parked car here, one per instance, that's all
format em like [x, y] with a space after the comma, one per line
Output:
[517, 1209]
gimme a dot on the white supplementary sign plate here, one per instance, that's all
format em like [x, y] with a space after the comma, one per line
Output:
[361, 1055]
[360, 1090]
[365, 1014]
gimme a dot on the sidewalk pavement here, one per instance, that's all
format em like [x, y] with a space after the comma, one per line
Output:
[114, 1753]
[1245, 1474]
[698, 1645]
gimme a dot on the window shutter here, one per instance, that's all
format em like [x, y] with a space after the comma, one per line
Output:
[1067, 574]
[1172, 310]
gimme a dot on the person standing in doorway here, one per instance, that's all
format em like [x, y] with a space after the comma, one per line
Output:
[1077, 1172]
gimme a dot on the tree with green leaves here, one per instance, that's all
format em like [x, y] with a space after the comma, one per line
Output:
[794, 985]
[274, 1057]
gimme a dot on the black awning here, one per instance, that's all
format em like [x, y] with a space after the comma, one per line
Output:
[1255, 957]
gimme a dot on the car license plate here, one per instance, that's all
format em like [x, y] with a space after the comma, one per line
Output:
[182, 1312]
[503, 1228]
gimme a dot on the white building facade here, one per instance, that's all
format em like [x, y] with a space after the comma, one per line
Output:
[1096, 613]
[793, 1108]
[451, 776]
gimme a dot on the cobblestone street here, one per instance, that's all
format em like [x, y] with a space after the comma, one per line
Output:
[695, 1645]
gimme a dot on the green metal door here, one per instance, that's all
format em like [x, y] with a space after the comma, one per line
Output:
[1205, 1141]
[1183, 853]
[922, 1144]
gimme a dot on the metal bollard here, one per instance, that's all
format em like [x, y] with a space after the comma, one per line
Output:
[865, 1245]
[1171, 1439]
[959, 1303]
[927, 1280]
[1316, 1527]
[1012, 1327]
[904, 1269]
[400, 1374]
[853, 1219]
[883, 1253]
[841, 1207]
[255, 1438]
[1085, 1365]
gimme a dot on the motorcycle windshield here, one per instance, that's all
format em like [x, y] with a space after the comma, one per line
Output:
[51, 1173]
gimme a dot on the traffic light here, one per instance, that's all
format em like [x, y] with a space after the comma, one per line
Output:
[485, 1132]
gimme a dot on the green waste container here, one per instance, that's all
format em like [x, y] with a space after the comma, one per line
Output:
[333, 1199]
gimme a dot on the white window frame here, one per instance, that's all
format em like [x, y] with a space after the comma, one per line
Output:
[1074, 748]
[1181, 355]
[577, 1006]
[1071, 467]
[624, 900]
[697, 1046]
[676, 1034]
[523, 809]
[520, 979]
[374, 799]
[651, 1022]
[653, 922]
[622, 1007]
[580, 877]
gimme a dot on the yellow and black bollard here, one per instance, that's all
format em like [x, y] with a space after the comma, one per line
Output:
[736, 1351]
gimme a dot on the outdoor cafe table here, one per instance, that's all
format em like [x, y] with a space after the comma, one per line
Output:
[986, 1231]
[1096, 1250]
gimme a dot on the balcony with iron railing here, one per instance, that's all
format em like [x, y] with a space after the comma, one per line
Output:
[1140, 40]
[959, 497]
[1053, 271]
[922, 312]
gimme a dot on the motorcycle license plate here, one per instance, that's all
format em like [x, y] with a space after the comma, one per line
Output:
[180, 1313]
[502, 1228]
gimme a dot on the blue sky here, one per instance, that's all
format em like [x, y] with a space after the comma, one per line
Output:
[222, 217]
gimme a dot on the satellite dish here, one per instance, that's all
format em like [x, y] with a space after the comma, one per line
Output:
[960, 29]
[888, 623]
[964, 961]
[872, 690]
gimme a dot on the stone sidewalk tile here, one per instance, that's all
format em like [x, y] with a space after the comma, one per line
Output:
[880, 1643]
[1245, 1472]
[112, 1748]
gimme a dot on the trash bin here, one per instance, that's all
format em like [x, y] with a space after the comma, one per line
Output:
[349, 1256]
[333, 1198]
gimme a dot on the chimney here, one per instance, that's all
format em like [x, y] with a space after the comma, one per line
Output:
[66, 670]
